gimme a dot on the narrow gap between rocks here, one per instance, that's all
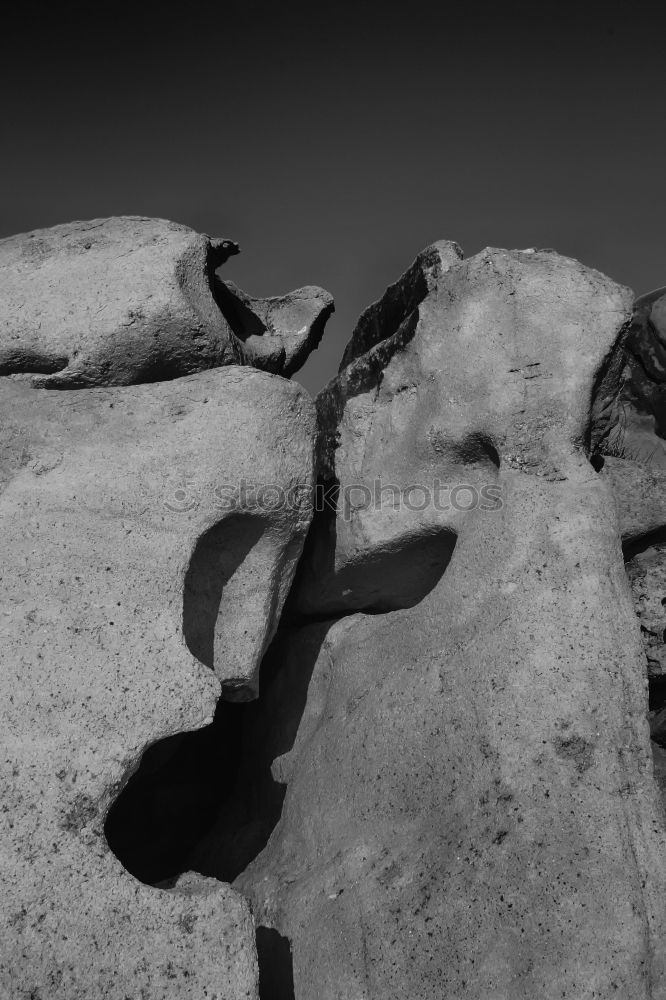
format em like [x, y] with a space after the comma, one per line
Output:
[276, 965]
[645, 565]
[206, 801]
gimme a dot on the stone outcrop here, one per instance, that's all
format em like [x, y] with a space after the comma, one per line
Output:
[137, 584]
[126, 300]
[470, 807]
[408, 756]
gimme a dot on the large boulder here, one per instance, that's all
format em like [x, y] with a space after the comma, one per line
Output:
[139, 584]
[125, 300]
[470, 807]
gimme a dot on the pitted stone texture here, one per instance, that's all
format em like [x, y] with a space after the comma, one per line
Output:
[125, 300]
[105, 498]
[471, 809]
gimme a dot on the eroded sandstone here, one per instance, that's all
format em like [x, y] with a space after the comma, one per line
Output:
[445, 787]
[131, 597]
[470, 807]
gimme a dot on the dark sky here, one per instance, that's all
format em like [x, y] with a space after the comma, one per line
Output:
[335, 140]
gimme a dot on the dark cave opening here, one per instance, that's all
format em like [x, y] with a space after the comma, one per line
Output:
[206, 801]
[193, 803]
[183, 809]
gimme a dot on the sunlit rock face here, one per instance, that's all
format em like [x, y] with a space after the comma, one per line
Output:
[125, 300]
[406, 757]
[470, 807]
[137, 586]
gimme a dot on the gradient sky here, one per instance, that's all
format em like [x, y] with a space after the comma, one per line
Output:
[335, 140]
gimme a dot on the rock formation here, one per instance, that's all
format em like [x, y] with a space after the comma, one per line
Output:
[136, 585]
[126, 300]
[470, 808]
[425, 772]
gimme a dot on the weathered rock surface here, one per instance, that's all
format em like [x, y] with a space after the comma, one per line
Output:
[639, 492]
[446, 788]
[131, 592]
[277, 333]
[125, 300]
[470, 807]
[637, 429]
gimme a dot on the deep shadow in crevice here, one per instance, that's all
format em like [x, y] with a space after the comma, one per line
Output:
[657, 705]
[276, 965]
[656, 681]
[217, 555]
[15, 362]
[475, 450]
[171, 801]
[243, 321]
[398, 576]
[633, 546]
[206, 801]
[657, 693]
